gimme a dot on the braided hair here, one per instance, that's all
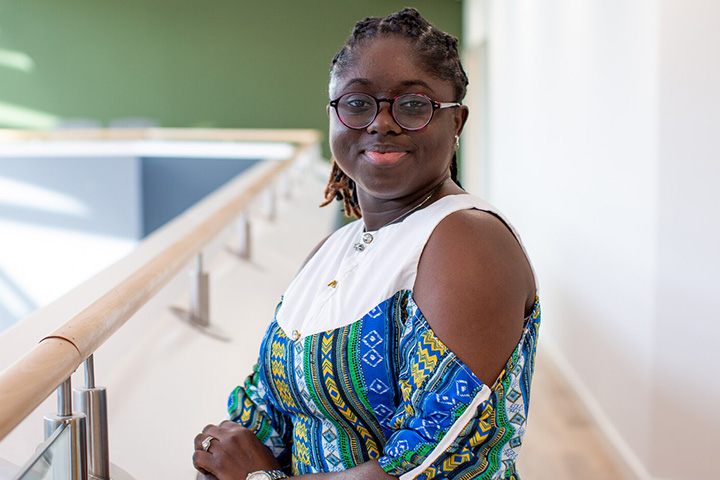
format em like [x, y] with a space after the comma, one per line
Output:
[437, 49]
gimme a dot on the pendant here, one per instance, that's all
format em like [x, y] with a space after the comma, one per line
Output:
[359, 247]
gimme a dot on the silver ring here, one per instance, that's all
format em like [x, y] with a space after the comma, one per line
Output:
[206, 443]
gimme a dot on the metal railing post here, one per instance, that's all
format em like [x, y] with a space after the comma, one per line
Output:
[286, 182]
[92, 401]
[199, 313]
[199, 294]
[270, 204]
[76, 423]
[242, 226]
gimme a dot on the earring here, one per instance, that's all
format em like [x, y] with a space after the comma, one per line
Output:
[457, 142]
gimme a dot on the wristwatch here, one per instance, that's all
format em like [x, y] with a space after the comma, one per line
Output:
[266, 475]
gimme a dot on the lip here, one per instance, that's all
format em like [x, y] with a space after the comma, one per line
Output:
[384, 155]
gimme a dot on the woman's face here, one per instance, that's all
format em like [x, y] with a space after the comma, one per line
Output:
[385, 160]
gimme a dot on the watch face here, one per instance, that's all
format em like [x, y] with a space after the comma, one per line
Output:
[265, 475]
[259, 476]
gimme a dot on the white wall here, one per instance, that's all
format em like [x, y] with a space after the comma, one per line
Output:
[686, 385]
[602, 133]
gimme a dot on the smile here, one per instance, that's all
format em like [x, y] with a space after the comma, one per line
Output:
[384, 158]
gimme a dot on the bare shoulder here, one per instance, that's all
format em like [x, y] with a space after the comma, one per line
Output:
[475, 249]
[475, 287]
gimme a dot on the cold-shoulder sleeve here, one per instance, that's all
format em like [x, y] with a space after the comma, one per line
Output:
[449, 424]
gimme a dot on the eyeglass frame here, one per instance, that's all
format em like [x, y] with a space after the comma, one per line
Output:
[435, 106]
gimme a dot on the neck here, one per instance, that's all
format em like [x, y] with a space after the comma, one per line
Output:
[378, 213]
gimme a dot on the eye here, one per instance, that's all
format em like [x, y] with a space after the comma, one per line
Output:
[356, 103]
[412, 105]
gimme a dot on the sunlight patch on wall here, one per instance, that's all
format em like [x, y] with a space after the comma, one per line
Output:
[16, 60]
[13, 302]
[38, 263]
[21, 117]
[20, 194]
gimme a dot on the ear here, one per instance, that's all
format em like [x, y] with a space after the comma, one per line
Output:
[327, 109]
[461, 116]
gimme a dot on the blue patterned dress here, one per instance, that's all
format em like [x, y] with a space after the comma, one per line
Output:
[350, 370]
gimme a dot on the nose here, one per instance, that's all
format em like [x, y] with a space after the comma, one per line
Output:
[384, 122]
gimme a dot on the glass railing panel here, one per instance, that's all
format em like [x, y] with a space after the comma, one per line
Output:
[51, 460]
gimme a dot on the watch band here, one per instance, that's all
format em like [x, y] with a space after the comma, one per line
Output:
[266, 475]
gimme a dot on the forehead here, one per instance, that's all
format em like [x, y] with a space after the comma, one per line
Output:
[387, 65]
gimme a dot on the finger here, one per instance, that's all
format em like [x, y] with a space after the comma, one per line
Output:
[205, 441]
[230, 427]
[206, 476]
[202, 461]
[208, 427]
[229, 424]
[212, 431]
[198, 440]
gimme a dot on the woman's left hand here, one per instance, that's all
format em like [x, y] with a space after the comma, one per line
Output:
[234, 452]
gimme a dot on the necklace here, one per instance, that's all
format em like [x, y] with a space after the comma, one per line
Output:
[367, 237]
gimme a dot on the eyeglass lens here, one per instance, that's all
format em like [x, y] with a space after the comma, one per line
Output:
[410, 111]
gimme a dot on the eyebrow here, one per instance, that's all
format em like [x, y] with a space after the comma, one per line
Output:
[404, 83]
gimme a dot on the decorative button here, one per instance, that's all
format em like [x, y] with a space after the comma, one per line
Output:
[333, 284]
[295, 335]
[366, 238]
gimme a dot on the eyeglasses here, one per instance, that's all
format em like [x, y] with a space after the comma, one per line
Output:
[411, 111]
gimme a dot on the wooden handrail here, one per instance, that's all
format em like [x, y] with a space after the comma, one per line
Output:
[31, 379]
[298, 136]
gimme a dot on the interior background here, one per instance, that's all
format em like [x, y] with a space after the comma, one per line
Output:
[183, 63]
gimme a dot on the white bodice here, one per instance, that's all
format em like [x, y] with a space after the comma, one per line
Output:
[340, 283]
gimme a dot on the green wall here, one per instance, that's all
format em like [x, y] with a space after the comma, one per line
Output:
[185, 63]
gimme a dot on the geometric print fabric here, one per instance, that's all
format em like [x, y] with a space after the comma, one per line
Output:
[385, 388]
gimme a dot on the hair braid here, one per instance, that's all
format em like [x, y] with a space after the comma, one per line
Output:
[454, 171]
[437, 49]
[341, 187]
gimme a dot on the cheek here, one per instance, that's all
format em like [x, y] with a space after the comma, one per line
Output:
[334, 134]
[444, 141]
[336, 145]
[437, 142]
[342, 141]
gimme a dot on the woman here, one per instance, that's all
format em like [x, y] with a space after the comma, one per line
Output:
[405, 345]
